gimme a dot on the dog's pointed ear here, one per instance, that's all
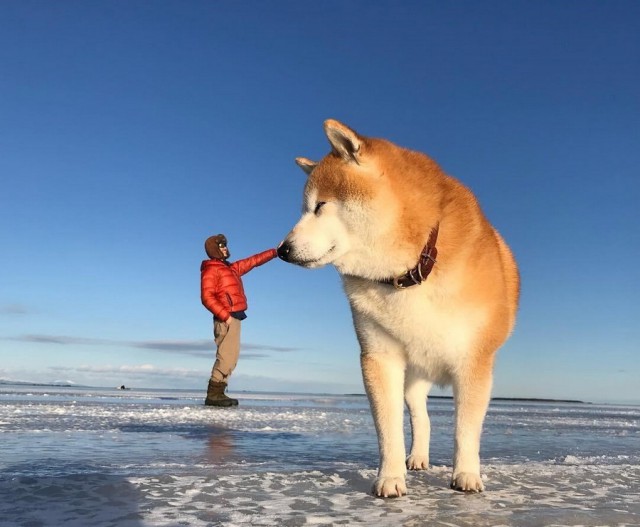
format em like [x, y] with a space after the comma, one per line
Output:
[345, 142]
[306, 164]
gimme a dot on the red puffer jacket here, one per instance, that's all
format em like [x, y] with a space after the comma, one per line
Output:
[221, 288]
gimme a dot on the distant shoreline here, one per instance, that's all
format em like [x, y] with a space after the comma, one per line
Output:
[42, 385]
[501, 399]
[537, 400]
[6, 382]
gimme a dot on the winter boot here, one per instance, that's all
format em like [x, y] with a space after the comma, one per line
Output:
[216, 395]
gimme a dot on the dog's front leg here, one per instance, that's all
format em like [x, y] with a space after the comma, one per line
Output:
[415, 395]
[472, 394]
[383, 376]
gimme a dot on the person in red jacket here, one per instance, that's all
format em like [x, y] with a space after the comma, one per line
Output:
[222, 293]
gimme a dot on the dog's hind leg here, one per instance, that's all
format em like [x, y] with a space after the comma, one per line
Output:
[383, 376]
[472, 393]
[415, 395]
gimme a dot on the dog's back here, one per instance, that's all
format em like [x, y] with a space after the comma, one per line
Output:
[475, 269]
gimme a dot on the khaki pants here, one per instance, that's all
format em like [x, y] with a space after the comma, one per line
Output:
[227, 339]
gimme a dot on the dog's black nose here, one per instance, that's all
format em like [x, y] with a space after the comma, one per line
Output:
[283, 251]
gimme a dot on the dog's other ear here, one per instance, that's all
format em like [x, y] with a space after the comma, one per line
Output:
[345, 142]
[306, 164]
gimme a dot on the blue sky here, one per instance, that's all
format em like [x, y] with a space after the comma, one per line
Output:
[131, 131]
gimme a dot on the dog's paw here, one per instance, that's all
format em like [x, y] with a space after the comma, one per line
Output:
[417, 462]
[467, 482]
[389, 487]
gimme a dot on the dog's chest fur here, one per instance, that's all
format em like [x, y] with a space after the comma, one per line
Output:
[420, 324]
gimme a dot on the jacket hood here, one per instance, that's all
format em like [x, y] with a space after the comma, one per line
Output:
[212, 248]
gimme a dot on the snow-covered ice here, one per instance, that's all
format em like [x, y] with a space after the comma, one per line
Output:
[78, 457]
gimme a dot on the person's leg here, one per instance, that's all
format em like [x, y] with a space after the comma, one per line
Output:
[227, 338]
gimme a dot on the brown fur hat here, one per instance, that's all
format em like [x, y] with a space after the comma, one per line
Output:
[211, 246]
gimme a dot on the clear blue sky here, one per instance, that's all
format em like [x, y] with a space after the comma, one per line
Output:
[131, 131]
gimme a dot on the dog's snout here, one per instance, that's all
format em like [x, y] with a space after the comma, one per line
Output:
[284, 250]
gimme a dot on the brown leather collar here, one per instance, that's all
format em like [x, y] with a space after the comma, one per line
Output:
[421, 271]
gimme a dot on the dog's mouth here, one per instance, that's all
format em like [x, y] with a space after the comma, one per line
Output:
[318, 262]
[284, 252]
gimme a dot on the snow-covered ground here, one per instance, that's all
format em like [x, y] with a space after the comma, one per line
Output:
[80, 456]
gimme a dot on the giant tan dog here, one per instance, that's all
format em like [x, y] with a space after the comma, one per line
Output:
[433, 290]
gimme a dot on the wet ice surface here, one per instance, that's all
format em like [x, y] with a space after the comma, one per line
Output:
[79, 457]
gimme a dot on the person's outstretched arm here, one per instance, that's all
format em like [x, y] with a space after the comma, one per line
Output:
[245, 265]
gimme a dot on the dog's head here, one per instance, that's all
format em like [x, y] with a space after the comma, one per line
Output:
[352, 210]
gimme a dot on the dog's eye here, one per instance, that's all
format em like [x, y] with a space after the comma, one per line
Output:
[319, 205]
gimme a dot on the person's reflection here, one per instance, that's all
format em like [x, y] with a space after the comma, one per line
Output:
[220, 446]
